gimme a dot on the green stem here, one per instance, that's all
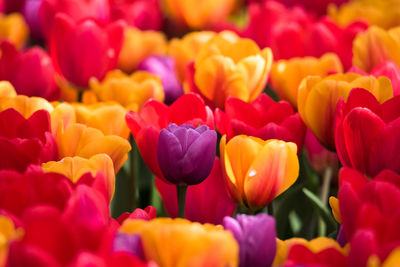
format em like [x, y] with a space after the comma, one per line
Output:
[181, 191]
[132, 178]
[326, 182]
[271, 209]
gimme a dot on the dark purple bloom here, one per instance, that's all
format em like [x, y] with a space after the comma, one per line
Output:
[164, 66]
[185, 153]
[129, 243]
[256, 237]
[30, 12]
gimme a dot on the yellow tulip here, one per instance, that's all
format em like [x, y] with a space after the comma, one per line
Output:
[376, 46]
[107, 117]
[257, 171]
[392, 260]
[186, 49]
[79, 140]
[178, 242]
[131, 91]
[74, 167]
[14, 29]
[8, 233]
[231, 66]
[385, 14]
[62, 115]
[7, 90]
[25, 105]
[286, 75]
[318, 97]
[138, 45]
[334, 203]
[198, 14]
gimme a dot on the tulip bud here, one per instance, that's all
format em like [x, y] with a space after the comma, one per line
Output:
[186, 154]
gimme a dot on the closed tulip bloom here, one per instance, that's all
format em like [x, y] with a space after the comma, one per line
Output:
[256, 238]
[131, 91]
[14, 29]
[84, 49]
[231, 66]
[318, 98]
[376, 46]
[263, 118]
[171, 242]
[257, 171]
[367, 133]
[185, 153]
[298, 69]
[138, 45]
[164, 67]
[31, 72]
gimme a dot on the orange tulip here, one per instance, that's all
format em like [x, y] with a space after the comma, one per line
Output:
[299, 68]
[334, 203]
[385, 14]
[107, 117]
[318, 98]
[392, 260]
[138, 45]
[231, 66]
[14, 29]
[131, 91]
[198, 14]
[74, 167]
[7, 90]
[8, 233]
[257, 171]
[79, 140]
[62, 115]
[178, 242]
[25, 105]
[186, 49]
[376, 46]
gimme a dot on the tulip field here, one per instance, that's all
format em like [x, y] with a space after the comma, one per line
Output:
[200, 133]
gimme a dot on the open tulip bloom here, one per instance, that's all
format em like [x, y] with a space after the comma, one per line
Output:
[200, 133]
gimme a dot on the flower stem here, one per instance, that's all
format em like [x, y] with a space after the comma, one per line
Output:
[181, 191]
[132, 176]
[326, 182]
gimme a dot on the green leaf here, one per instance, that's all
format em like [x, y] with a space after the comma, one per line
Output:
[320, 208]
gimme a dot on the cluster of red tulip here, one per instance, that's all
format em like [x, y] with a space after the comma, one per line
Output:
[199, 133]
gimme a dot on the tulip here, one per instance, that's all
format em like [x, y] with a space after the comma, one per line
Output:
[260, 172]
[164, 67]
[14, 29]
[186, 49]
[318, 98]
[75, 167]
[79, 140]
[256, 237]
[76, 10]
[366, 133]
[169, 242]
[231, 66]
[376, 46]
[139, 45]
[25, 141]
[147, 214]
[129, 243]
[314, 6]
[154, 116]
[380, 13]
[31, 72]
[12, 5]
[142, 14]
[262, 118]
[7, 91]
[107, 117]
[131, 91]
[298, 69]
[26, 106]
[8, 233]
[88, 42]
[30, 11]
[197, 15]
[201, 199]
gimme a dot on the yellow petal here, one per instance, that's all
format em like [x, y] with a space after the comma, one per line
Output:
[25, 105]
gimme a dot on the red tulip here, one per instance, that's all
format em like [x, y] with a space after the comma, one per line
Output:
[142, 14]
[76, 9]
[13, 5]
[25, 141]
[263, 118]
[370, 214]
[154, 116]
[368, 133]
[386, 68]
[84, 49]
[31, 72]
[147, 214]
[207, 202]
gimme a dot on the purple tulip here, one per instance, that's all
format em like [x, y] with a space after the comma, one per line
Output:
[129, 243]
[164, 67]
[30, 12]
[186, 154]
[256, 237]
